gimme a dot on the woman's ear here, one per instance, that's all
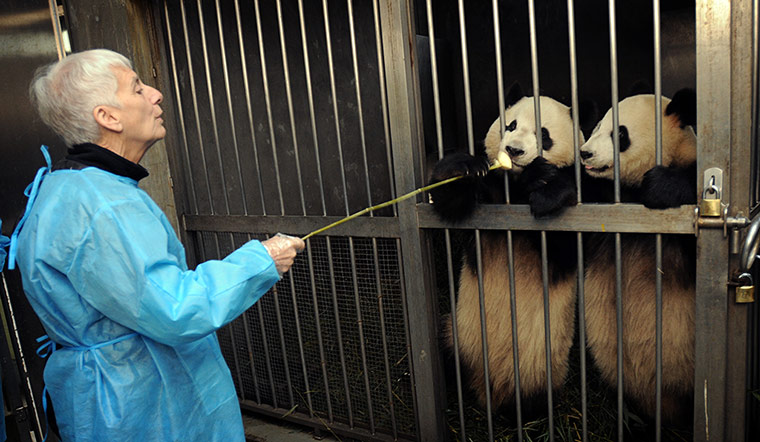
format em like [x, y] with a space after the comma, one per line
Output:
[107, 119]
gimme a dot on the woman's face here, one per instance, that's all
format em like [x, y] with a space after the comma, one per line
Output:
[140, 113]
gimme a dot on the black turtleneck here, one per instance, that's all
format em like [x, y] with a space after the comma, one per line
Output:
[92, 155]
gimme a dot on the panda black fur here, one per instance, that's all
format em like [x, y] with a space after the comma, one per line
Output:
[669, 185]
[547, 184]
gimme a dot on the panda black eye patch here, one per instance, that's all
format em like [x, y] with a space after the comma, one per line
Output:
[546, 140]
[625, 142]
[512, 126]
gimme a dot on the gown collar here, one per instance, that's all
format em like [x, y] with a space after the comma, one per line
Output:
[93, 155]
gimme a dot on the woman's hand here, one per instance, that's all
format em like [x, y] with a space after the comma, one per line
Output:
[283, 250]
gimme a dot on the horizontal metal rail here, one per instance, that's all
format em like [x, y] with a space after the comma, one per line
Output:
[622, 218]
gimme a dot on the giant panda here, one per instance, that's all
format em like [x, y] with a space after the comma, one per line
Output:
[669, 185]
[547, 184]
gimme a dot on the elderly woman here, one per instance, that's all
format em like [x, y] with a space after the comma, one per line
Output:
[138, 359]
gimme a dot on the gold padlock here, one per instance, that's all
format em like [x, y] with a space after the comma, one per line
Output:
[710, 206]
[745, 293]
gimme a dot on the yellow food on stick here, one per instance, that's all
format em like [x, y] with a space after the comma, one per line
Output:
[503, 160]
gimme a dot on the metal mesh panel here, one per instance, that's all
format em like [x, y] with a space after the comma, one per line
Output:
[257, 359]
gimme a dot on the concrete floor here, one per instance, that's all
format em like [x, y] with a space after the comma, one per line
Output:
[262, 429]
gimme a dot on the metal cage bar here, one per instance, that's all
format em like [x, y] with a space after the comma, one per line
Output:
[320, 342]
[268, 100]
[544, 258]
[478, 244]
[658, 237]
[447, 233]
[286, 71]
[396, 18]
[180, 111]
[579, 199]
[510, 248]
[310, 96]
[248, 105]
[339, 334]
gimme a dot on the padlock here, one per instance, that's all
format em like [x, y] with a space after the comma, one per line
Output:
[710, 206]
[745, 293]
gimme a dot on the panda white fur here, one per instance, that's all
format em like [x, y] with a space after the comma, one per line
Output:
[542, 183]
[669, 185]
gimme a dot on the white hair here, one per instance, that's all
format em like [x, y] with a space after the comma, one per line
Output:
[66, 92]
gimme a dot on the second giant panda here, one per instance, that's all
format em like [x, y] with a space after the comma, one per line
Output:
[546, 183]
[669, 185]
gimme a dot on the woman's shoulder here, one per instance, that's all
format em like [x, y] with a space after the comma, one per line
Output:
[90, 189]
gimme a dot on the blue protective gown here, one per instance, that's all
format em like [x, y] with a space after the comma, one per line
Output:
[99, 261]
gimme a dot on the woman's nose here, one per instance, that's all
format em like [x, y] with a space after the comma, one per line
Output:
[157, 96]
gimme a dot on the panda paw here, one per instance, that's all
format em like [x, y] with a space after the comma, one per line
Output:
[537, 175]
[551, 199]
[666, 187]
[459, 164]
[456, 201]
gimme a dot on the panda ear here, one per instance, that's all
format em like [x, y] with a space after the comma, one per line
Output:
[588, 114]
[640, 87]
[514, 95]
[684, 106]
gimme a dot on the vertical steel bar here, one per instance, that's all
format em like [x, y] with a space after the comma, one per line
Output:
[658, 237]
[339, 333]
[614, 91]
[191, 76]
[447, 234]
[286, 71]
[267, 99]
[466, 79]
[534, 73]
[293, 295]
[478, 251]
[579, 238]
[212, 107]
[180, 110]
[399, 28]
[360, 326]
[320, 342]
[619, 326]
[357, 80]
[355, 63]
[618, 262]
[334, 93]
[715, 111]
[244, 66]
[378, 283]
[229, 106]
[383, 98]
[544, 260]
[510, 250]
[310, 95]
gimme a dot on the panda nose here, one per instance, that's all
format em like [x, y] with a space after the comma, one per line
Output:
[586, 154]
[514, 152]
